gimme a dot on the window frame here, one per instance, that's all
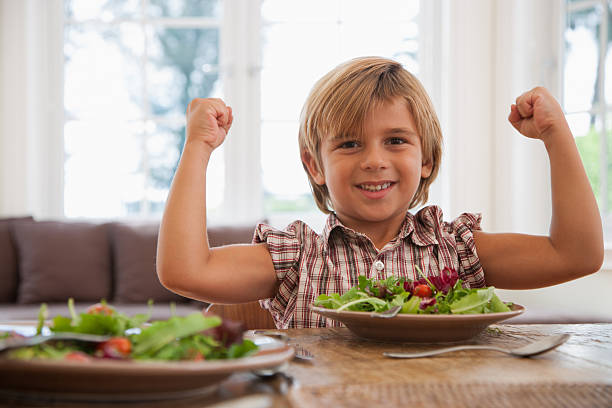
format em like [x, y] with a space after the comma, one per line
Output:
[602, 110]
[239, 64]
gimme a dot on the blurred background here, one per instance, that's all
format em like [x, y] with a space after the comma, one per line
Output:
[93, 95]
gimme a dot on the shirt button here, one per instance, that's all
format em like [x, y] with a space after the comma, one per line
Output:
[379, 265]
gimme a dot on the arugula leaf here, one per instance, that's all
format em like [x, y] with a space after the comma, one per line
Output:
[42, 316]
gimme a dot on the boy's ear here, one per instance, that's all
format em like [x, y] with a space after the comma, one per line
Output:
[426, 168]
[312, 167]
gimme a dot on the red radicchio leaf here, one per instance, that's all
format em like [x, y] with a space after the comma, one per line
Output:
[425, 302]
[409, 286]
[445, 281]
[228, 333]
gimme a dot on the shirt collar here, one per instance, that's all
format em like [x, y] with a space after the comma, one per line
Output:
[418, 228]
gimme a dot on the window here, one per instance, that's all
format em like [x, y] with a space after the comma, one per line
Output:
[302, 40]
[587, 97]
[131, 67]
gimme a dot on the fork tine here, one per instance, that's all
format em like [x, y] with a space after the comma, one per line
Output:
[388, 313]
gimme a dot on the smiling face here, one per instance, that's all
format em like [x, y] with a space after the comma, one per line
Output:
[372, 179]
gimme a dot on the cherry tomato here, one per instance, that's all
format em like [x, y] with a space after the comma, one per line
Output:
[116, 347]
[422, 291]
[100, 308]
[194, 355]
[77, 356]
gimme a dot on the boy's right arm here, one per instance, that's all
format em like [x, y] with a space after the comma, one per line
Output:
[185, 262]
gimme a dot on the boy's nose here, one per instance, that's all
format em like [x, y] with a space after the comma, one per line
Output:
[374, 159]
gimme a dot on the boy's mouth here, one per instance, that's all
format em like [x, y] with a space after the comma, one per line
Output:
[374, 187]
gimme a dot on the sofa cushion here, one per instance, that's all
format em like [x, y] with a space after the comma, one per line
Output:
[65, 259]
[134, 250]
[226, 234]
[8, 260]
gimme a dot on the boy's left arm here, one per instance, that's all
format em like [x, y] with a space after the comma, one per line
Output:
[574, 246]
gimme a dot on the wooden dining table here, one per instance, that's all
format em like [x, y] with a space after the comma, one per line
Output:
[348, 371]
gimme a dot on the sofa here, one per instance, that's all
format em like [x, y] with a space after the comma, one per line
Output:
[51, 261]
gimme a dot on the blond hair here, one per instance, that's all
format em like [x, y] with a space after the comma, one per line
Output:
[339, 102]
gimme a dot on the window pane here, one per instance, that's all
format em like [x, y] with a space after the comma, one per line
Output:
[283, 174]
[311, 45]
[385, 10]
[127, 84]
[303, 40]
[581, 60]
[400, 42]
[184, 8]
[608, 71]
[300, 11]
[104, 168]
[102, 72]
[164, 143]
[183, 64]
[105, 10]
[279, 104]
[588, 142]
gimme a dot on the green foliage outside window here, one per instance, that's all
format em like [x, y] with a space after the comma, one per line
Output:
[589, 148]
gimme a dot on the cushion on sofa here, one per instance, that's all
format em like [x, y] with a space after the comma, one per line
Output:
[59, 260]
[8, 260]
[134, 250]
[225, 235]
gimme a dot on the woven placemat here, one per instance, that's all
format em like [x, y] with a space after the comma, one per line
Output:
[485, 395]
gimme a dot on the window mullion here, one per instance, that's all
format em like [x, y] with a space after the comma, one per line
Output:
[240, 68]
[145, 201]
[603, 143]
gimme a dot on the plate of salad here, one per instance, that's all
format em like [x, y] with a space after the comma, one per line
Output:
[432, 309]
[138, 360]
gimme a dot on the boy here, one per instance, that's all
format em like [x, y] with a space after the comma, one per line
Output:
[370, 142]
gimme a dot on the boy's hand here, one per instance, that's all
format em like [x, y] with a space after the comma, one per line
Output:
[537, 114]
[208, 121]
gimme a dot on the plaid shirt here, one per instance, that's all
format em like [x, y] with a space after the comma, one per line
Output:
[308, 264]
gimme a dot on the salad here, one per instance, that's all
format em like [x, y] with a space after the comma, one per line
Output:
[442, 294]
[192, 337]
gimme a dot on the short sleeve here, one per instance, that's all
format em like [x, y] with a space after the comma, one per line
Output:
[470, 269]
[285, 248]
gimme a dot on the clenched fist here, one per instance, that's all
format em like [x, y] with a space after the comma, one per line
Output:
[537, 114]
[208, 122]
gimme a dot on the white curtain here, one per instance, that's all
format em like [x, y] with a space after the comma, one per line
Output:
[31, 147]
[491, 52]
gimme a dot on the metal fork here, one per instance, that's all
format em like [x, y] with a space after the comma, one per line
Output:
[15, 342]
[388, 313]
[283, 380]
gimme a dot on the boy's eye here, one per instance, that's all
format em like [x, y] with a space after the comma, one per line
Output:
[396, 141]
[349, 144]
